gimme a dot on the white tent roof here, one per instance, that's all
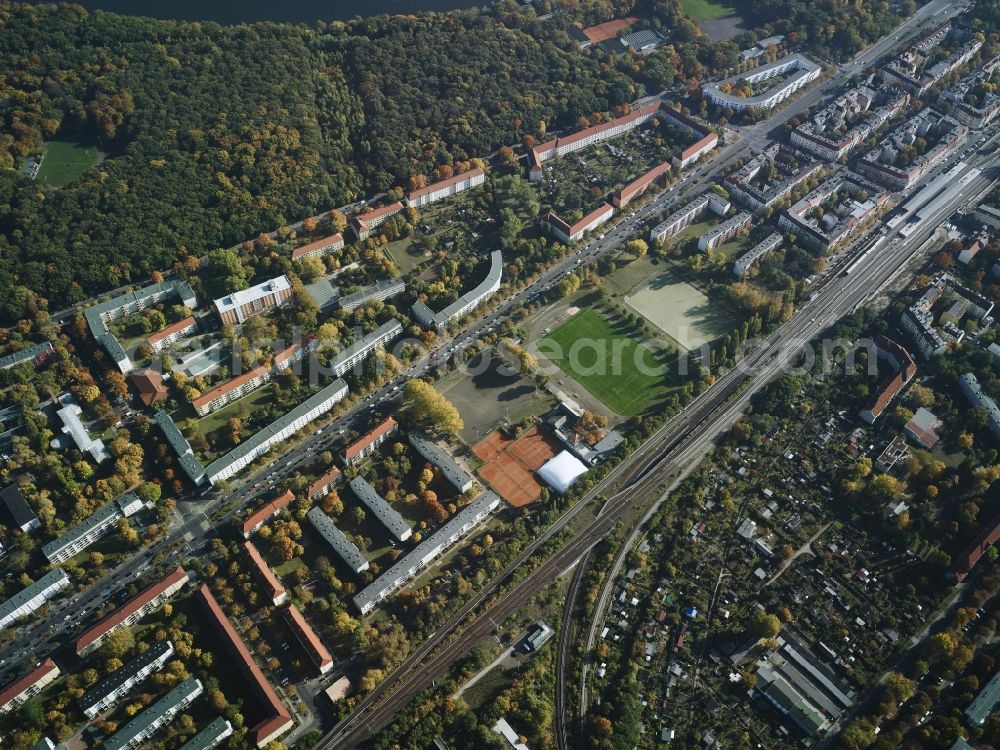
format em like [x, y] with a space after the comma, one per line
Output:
[560, 472]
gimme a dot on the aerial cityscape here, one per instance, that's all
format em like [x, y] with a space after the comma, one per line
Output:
[536, 375]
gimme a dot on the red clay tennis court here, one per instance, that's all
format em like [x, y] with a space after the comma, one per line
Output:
[509, 466]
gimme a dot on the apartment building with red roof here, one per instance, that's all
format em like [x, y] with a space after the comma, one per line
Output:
[266, 512]
[18, 692]
[963, 564]
[324, 245]
[572, 232]
[264, 575]
[904, 368]
[639, 185]
[172, 333]
[308, 639]
[322, 486]
[241, 385]
[277, 719]
[366, 445]
[145, 602]
[446, 188]
[364, 224]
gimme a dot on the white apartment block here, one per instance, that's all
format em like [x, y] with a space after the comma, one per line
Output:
[357, 352]
[119, 683]
[746, 261]
[346, 549]
[26, 688]
[33, 596]
[237, 307]
[364, 224]
[99, 315]
[157, 716]
[688, 214]
[95, 526]
[446, 188]
[281, 429]
[425, 552]
[467, 302]
[571, 233]
[248, 382]
[146, 601]
[179, 330]
[319, 247]
[803, 70]
[725, 231]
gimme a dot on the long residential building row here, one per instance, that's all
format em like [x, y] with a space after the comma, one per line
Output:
[239, 386]
[159, 715]
[268, 511]
[388, 516]
[217, 730]
[424, 553]
[98, 316]
[364, 224]
[268, 581]
[308, 639]
[904, 369]
[32, 596]
[802, 71]
[745, 262]
[357, 352]
[145, 602]
[467, 302]
[345, 549]
[277, 720]
[722, 233]
[35, 354]
[970, 100]
[24, 689]
[705, 138]
[367, 444]
[639, 185]
[257, 445]
[446, 188]
[174, 332]
[319, 247]
[568, 233]
[107, 692]
[381, 290]
[458, 477]
[689, 214]
[95, 526]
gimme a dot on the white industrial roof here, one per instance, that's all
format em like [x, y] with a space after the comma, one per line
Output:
[561, 471]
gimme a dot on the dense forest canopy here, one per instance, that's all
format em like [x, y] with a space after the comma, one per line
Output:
[214, 134]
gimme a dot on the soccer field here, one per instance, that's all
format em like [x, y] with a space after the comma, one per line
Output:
[625, 376]
[706, 10]
[65, 161]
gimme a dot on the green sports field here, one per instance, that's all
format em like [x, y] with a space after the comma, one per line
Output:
[626, 377]
[65, 161]
[706, 10]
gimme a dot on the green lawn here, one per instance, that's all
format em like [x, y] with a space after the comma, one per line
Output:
[65, 161]
[405, 254]
[608, 363]
[706, 10]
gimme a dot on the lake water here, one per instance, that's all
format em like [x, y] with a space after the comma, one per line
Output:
[295, 11]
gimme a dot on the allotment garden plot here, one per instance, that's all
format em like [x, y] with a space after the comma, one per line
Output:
[602, 356]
